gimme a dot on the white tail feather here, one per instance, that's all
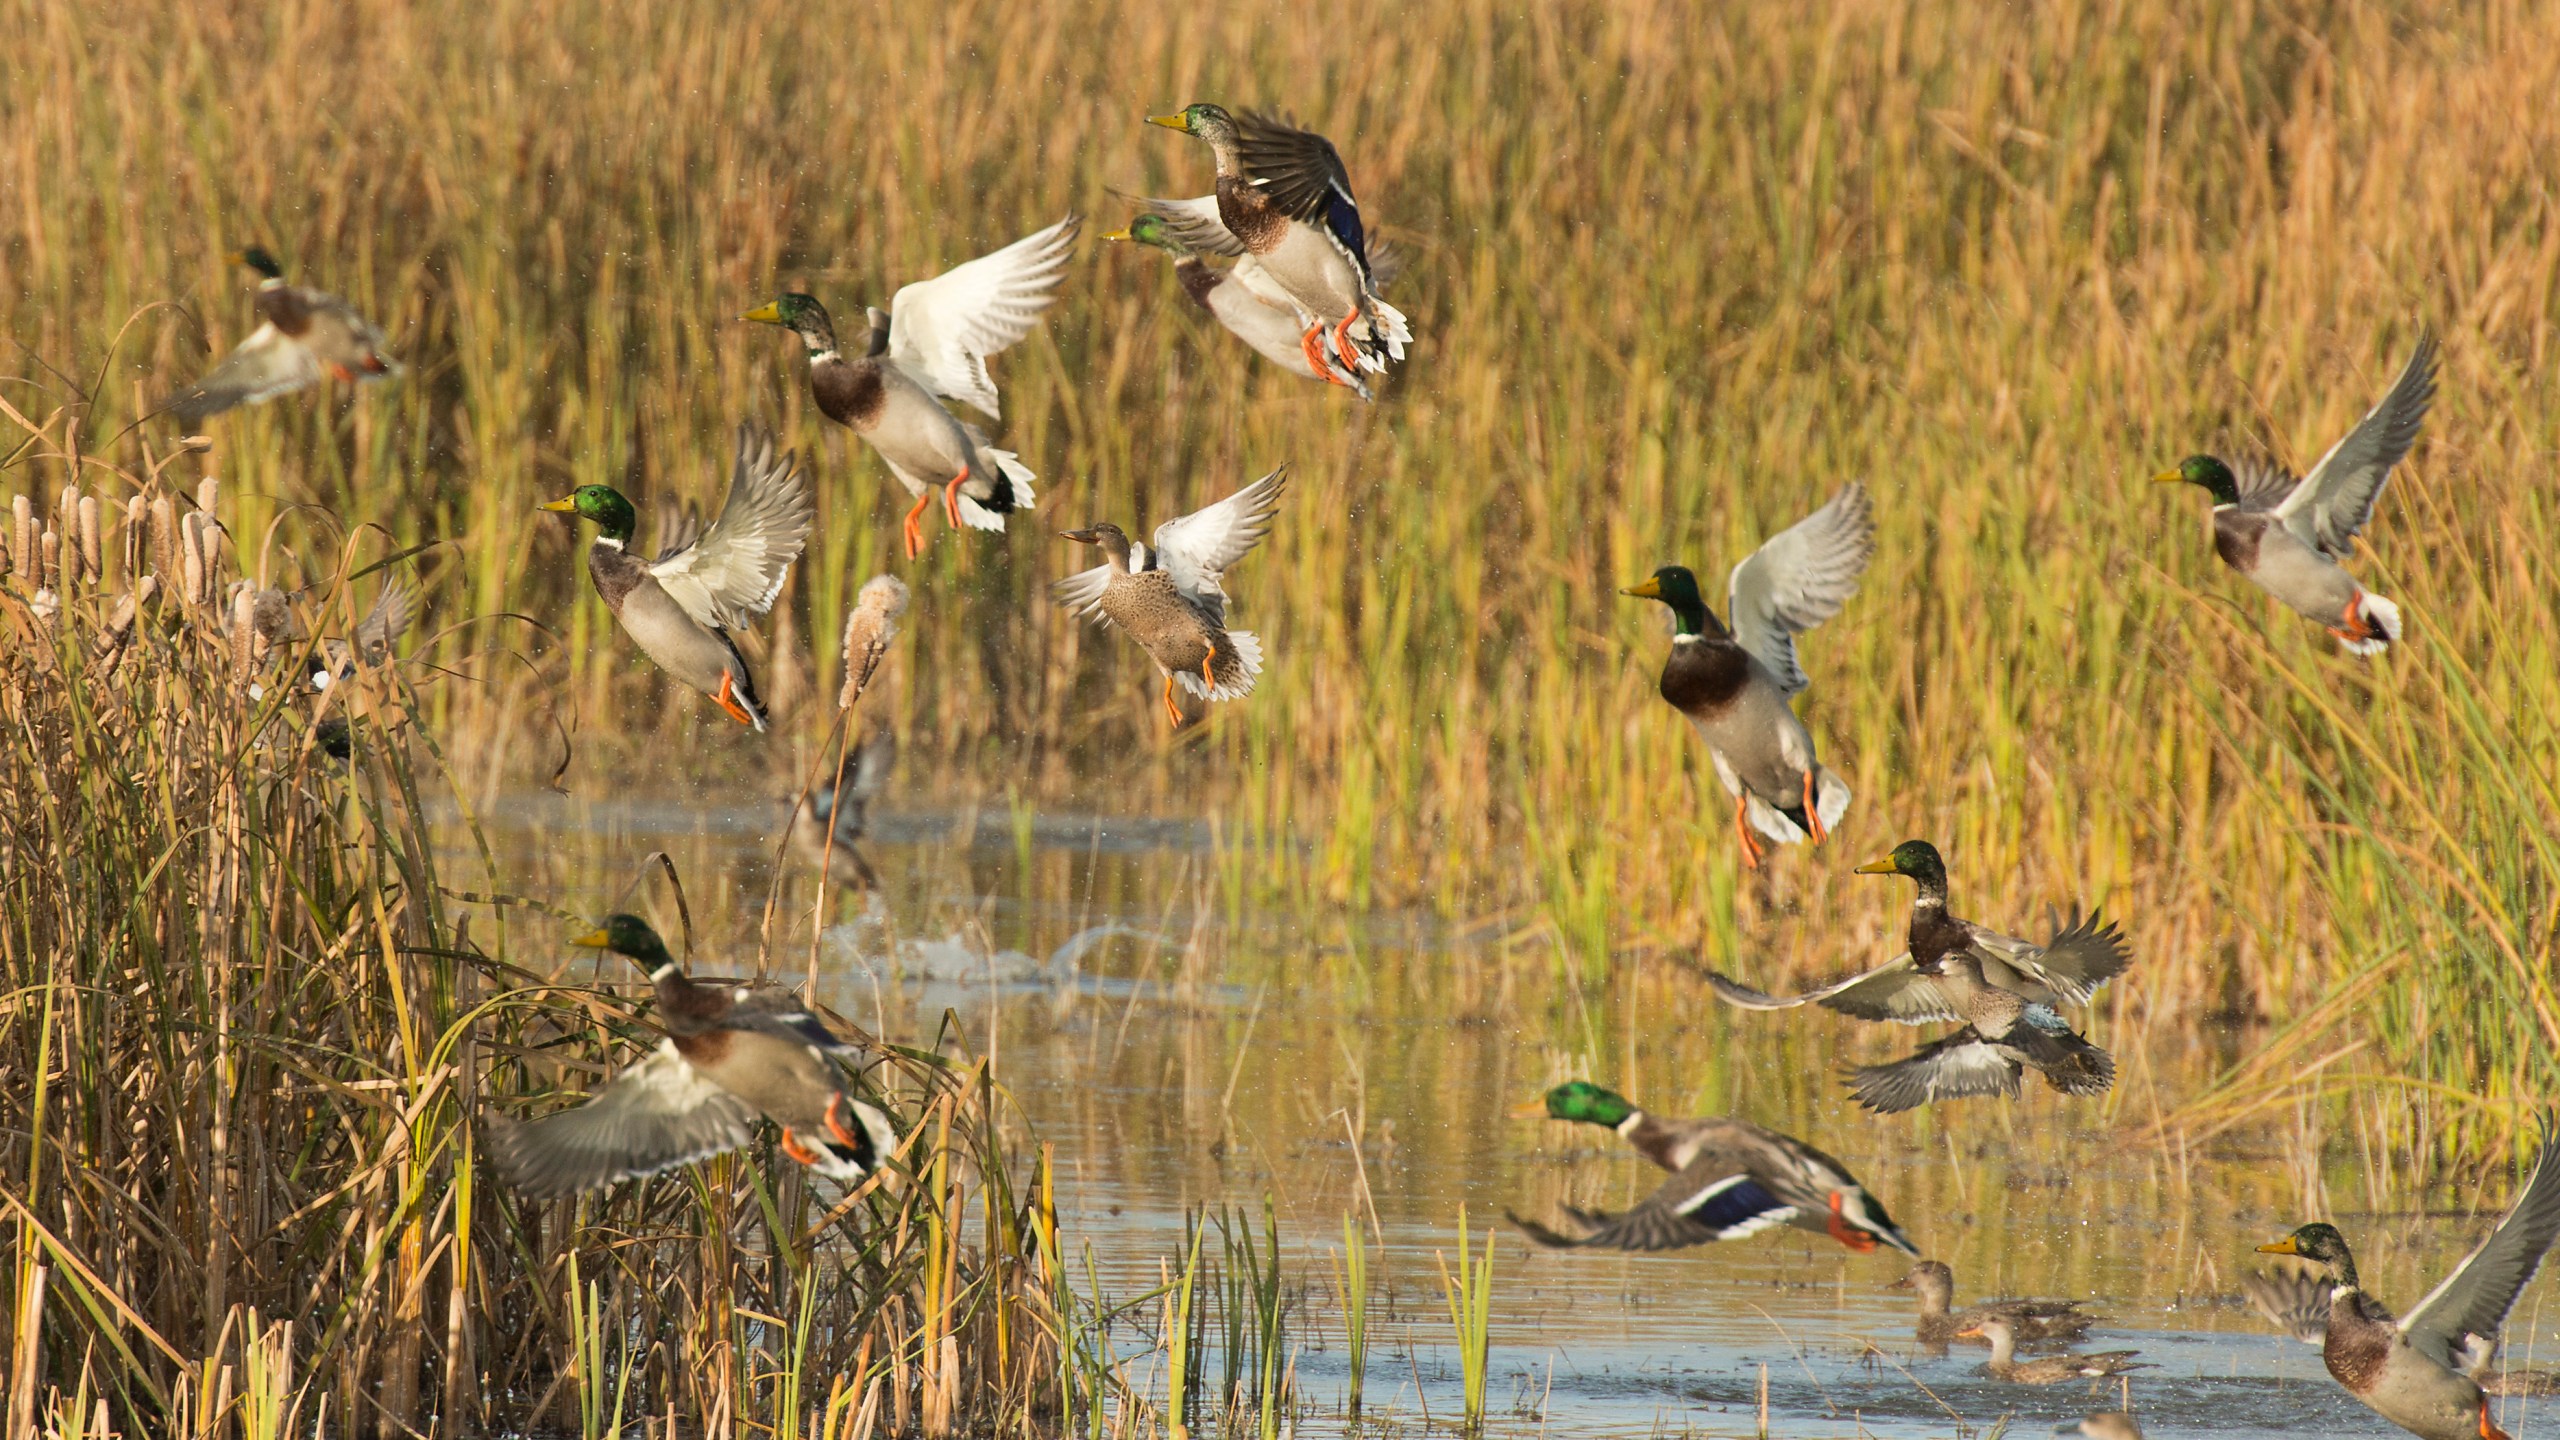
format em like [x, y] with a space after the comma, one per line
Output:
[1830, 802]
[1248, 648]
[2382, 615]
[978, 516]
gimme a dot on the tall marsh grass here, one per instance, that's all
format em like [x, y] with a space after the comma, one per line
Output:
[1678, 272]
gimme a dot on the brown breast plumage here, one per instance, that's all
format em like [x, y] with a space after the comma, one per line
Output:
[2236, 534]
[850, 392]
[1249, 216]
[1702, 676]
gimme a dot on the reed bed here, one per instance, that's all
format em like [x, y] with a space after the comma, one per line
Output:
[1678, 275]
[248, 1027]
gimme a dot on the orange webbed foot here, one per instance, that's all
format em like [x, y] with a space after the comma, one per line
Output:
[951, 497]
[792, 1147]
[726, 697]
[1742, 831]
[1342, 342]
[914, 528]
[1172, 710]
[1813, 811]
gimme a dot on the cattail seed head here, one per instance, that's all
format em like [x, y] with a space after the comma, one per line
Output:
[868, 631]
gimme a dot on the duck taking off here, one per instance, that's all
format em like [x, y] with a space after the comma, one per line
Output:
[2422, 1372]
[931, 347]
[732, 1053]
[681, 607]
[2288, 535]
[1284, 198]
[2007, 991]
[303, 337]
[1172, 599]
[1737, 684]
[1245, 300]
[1730, 1178]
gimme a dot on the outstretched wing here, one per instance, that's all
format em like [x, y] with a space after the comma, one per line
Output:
[942, 330]
[1082, 591]
[1197, 548]
[2457, 1324]
[393, 612]
[778, 1010]
[2066, 970]
[732, 573]
[1302, 175]
[1892, 991]
[2262, 484]
[1193, 222]
[1699, 1205]
[2336, 498]
[658, 1114]
[1799, 579]
[2295, 1301]
[267, 364]
[1962, 1064]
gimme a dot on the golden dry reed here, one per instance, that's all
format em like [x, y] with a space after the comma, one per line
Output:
[1678, 272]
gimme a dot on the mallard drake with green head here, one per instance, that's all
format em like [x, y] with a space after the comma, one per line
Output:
[931, 347]
[1172, 599]
[2288, 535]
[303, 337]
[681, 607]
[732, 1053]
[1284, 197]
[1737, 684]
[829, 820]
[2004, 1363]
[1258, 314]
[1933, 1283]
[1730, 1178]
[2007, 991]
[2420, 1373]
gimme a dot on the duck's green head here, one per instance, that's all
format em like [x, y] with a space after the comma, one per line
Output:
[628, 935]
[2320, 1242]
[1591, 1104]
[1915, 858]
[800, 314]
[1677, 587]
[1210, 122]
[602, 504]
[2204, 470]
[1151, 230]
[258, 260]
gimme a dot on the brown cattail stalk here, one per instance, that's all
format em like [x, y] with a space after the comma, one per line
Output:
[92, 563]
[868, 631]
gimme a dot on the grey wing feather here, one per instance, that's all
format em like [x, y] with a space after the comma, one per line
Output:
[1197, 548]
[2263, 484]
[2294, 1301]
[1960, 1065]
[262, 367]
[1298, 169]
[655, 1115]
[2457, 1323]
[2066, 970]
[2333, 502]
[1891, 991]
[733, 572]
[676, 527]
[778, 1010]
[1082, 591]
[1799, 579]
[393, 612]
[1194, 222]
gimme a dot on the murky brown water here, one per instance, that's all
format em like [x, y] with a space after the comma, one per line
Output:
[1178, 1056]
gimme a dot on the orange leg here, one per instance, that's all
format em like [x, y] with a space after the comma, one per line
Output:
[951, 497]
[1846, 1233]
[2355, 627]
[1742, 829]
[1172, 711]
[341, 373]
[1342, 342]
[1208, 670]
[915, 525]
[792, 1147]
[1813, 813]
[727, 699]
[1311, 345]
[838, 1126]
[2488, 1428]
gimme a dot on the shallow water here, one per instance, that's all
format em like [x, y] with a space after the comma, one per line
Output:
[1179, 1057]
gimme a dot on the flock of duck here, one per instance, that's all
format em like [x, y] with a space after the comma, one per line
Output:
[1303, 290]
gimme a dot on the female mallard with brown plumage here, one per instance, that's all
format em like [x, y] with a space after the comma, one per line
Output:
[1284, 198]
[931, 347]
[303, 337]
[2004, 1363]
[2420, 1373]
[732, 1053]
[2007, 991]
[2288, 535]
[1172, 600]
[681, 607]
[1737, 684]
[1933, 1283]
[1730, 1178]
